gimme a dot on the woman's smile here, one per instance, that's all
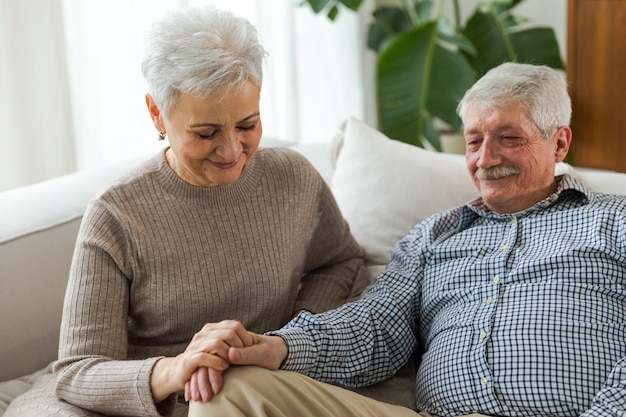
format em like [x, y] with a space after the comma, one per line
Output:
[225, 165]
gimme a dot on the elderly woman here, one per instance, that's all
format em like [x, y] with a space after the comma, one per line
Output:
[211, 228]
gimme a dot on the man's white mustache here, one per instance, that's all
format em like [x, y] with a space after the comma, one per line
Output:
[494, 173]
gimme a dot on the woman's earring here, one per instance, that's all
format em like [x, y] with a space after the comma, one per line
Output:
[161, 135]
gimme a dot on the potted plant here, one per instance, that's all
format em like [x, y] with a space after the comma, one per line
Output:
[427, 61]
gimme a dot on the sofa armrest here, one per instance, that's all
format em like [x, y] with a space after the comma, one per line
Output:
[38, 228]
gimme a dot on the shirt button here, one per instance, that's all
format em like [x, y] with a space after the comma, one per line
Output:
[512, 221]
[489, 301]
[496, 279]
[505, 247]
[484, 381]
[483, 335]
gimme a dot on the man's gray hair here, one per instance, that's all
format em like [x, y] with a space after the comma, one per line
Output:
[540, 89]
[199, 51]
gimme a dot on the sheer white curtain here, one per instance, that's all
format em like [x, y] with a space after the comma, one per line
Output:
[36, 136]
[313, 81]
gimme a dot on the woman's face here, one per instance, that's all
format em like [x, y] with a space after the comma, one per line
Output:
[212, 139]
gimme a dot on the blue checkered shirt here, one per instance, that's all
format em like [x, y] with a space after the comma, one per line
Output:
[516, 315]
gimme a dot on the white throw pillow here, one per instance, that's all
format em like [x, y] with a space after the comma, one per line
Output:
[384, 187]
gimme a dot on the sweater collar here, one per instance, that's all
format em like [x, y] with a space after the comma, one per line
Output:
[234, 193]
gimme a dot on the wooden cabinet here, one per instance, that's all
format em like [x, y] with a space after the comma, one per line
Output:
[596, 72]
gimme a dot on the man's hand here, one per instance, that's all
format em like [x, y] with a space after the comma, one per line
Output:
[265, 351]
[208, 350]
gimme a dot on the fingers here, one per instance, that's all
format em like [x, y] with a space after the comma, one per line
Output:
[216, 380]
[207, 356]
[192, 388]
[216, 338]
[172, 374]
[266, 351]
[204, 384]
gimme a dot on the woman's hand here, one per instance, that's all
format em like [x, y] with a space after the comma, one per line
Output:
[204, 384]
[209, 350]
[265, 351]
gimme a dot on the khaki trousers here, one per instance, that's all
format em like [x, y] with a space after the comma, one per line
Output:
[256, 392]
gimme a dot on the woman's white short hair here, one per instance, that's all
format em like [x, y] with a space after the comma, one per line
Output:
[540, 89]
[199, 51]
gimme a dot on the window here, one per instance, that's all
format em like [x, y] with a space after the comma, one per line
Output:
[88, 107]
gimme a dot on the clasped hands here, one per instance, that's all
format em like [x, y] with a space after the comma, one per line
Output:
[211, 351]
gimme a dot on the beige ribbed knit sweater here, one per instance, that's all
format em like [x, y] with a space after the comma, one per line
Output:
[156, 258]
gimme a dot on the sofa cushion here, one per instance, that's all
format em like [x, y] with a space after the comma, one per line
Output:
[603, 181]
[384, 187]
[9, 390]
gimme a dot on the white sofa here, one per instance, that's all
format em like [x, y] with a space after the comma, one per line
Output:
[383, 188]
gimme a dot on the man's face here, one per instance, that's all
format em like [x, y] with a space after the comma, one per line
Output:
[509, 161]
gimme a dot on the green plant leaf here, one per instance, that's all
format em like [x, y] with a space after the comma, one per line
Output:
[496, 43]
[332, 13]
[450, 34]
[537, 46]
[424, 9]
[431, 133]
[332, 6]
[401, 83]
[388, 23]
[451, 76]
[352, 4]
[492, 43]
[317, 5]
[503, 6]
[417, 80]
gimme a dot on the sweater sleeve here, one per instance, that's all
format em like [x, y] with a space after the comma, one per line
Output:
[335, 261]
[93, 370]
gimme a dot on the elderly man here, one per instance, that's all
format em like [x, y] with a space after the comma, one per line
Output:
[515, 302]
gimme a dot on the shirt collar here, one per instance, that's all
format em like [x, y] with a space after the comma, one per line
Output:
[567, 187]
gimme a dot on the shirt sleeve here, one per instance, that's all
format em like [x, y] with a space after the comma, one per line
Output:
[365, 341]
